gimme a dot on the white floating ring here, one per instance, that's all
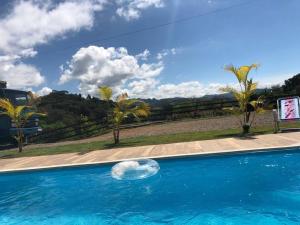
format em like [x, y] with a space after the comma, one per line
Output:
[134, 169]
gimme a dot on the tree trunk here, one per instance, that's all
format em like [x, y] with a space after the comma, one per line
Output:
[20, 145]
[246, 129]
[116, 133]
[247, 117]
[20, 140]
[246, 125]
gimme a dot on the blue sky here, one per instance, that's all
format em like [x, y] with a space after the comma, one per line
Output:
[67, 45]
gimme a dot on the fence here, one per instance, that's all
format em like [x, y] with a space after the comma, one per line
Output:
[193, 109]
[203, 109]
[100, 126]
[79, 130]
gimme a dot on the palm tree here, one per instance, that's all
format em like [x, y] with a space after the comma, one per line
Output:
[247, 88]
[19, 116]
[122, 108]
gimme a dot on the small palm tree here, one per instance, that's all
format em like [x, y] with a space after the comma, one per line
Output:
[19, 116]
[122, 108]
[247, 108]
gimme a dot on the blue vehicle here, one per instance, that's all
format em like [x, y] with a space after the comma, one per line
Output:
[7, 127]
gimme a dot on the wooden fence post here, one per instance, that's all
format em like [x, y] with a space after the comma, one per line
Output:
[276, 121]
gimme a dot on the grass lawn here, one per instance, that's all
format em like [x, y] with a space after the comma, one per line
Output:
[137, 141]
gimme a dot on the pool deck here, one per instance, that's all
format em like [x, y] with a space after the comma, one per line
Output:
[226, 145]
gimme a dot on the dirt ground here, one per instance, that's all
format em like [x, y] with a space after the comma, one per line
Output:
[188, 125]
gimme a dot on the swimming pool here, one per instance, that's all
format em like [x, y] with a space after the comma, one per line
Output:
[252, 188]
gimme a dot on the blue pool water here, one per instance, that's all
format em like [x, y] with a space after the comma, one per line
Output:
[260, 188]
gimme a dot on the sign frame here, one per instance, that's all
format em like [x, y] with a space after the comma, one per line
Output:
[280, 112]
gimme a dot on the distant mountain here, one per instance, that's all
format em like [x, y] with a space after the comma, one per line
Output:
[206, 98]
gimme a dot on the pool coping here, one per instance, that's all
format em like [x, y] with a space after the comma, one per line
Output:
[171, 156]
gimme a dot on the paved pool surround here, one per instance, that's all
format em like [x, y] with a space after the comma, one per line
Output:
[205, 147]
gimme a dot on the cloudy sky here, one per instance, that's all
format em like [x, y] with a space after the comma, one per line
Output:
[148, 48]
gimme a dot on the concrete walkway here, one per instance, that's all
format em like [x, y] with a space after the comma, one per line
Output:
[154, 151]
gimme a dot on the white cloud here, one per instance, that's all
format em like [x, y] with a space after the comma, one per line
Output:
[162, 54]
[44, 91]
[153, 89]
[140, 88]
[97, 66]
[20, 75]
[34, 22]
[131, 9]
[187, 89]
[144, 55]
[26, 53]
[150, 70]
[17, 74]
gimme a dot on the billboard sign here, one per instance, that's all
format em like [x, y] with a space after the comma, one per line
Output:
[289, 108]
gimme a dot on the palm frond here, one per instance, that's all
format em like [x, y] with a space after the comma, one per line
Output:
[19, 110]
[125, 104]
[251, 88]
[6, 104]
[105, 93]
[255, 66]
[228, 89]
[230, 68]
[258, 104]
[31, 114]
[8, 107]
[118, 117]
[241, 72]
[253, 103]
[143, 110]
[237, 72]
